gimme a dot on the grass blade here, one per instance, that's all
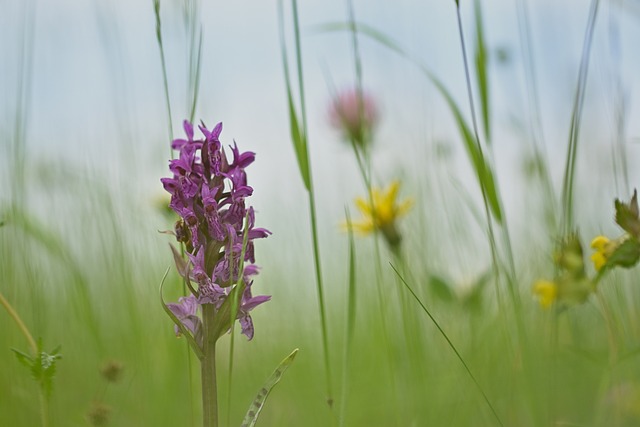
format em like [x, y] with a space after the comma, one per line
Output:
[351, 318]
[299, 136]
[578, 102]
[481, 72]
[453, 347]
[258, 403]
[165, 79]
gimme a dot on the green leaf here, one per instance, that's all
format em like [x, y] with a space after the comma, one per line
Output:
[258, 403]
[627, 215]
[222, 321]
[626, 255]
[47, 370]
[181, 265]
[441, 289]
[23, 358]
[473, 299]
[42, 367]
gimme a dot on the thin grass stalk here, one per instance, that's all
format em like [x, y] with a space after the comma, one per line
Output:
[165, 79]
[490, 230]
[521, 346]
[364, 167]
[482, 77]
[312, 209]
[535, 122]
[607, 378]
[619, 150]
[23, 98]
[196, 84]
[351, 321]
[572, 149]
[363, 159]
[194, 45]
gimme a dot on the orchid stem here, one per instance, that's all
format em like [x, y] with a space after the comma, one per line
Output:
[209, 386]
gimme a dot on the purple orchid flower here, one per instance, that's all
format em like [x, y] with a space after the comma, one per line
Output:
[210, 193]
[185, 310]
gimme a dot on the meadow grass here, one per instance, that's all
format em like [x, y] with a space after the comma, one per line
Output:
[82, 265]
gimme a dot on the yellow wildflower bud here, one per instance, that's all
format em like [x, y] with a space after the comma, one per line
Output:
[600, 242]
[604, 248]
[599, 260]
[546, 291]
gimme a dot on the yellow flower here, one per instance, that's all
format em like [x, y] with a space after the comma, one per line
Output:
[546, 291]
[382, 214]
[604, 248]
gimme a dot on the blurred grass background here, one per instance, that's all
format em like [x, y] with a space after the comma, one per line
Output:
[84, 142]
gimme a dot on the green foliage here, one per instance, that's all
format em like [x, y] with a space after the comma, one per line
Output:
[42, 366]
[626, 254]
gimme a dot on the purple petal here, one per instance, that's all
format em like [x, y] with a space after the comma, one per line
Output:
[247, 325]
[255, 301]
[188, 129]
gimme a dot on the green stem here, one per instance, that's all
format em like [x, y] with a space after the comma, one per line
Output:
[312, 209]
[44, 409]
[208, 368]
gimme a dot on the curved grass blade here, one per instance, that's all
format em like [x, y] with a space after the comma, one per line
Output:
[185, 332]
[453, 347]
[258, 403]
